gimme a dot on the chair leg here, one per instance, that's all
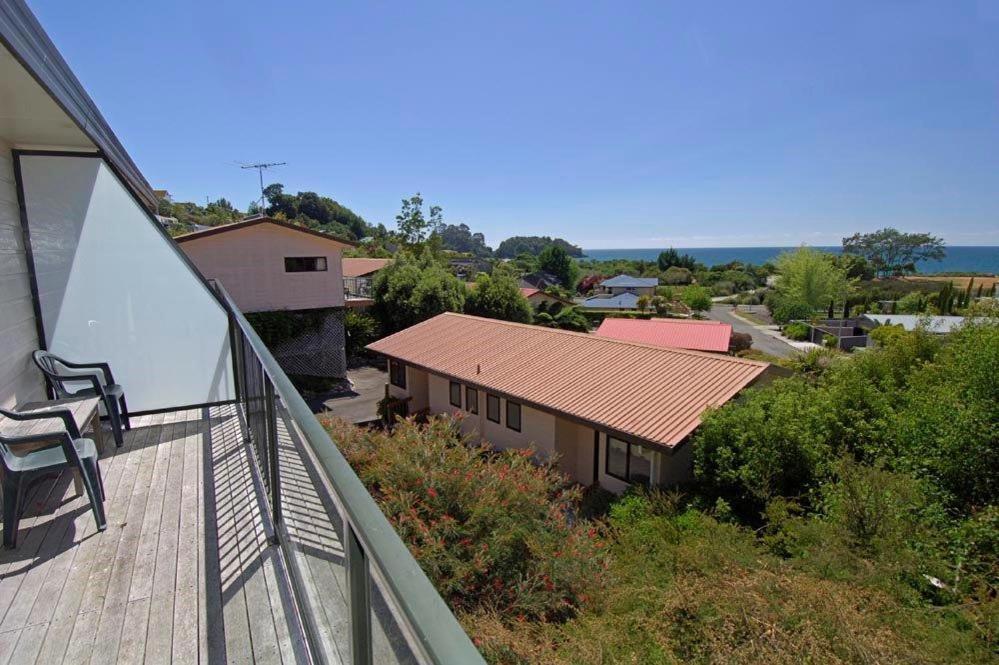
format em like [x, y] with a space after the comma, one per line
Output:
[115, 417]
[124, 414]
[96, 504]
[11, 508]
[100, 479]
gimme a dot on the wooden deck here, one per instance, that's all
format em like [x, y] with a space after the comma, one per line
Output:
[184, 572]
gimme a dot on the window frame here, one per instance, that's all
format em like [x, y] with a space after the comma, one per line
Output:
[469, 392]
[451, 390]
[316, 259]
[627, 461]
[395, 365]
[520, 415]
[489, 397]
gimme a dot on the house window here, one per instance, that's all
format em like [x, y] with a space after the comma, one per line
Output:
[629, 462]
[513, 415]
[472, 400]
[397, 374]
[492, 408]
[456, 394]
[305, 264]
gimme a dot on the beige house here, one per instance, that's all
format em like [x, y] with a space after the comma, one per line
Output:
[270, 265]
[358, 277]
[613, 412]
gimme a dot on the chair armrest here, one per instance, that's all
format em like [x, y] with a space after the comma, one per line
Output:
[94, 382]
[103, 367]
[63, 414]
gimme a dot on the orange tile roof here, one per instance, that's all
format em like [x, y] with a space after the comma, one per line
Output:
[675, 333]
[362, 266]
[646, 392]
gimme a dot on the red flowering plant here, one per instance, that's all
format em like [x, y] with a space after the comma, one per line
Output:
[493, 530]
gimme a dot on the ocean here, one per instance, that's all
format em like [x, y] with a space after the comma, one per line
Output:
[958, 259]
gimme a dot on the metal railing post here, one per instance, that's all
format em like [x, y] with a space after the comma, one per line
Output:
[359, 590]
[272, 453]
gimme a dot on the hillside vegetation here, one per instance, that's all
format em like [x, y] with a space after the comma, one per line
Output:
[844, 515]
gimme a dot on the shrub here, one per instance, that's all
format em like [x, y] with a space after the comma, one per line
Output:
[784, 310]
[740, 342]
[490, 529]
[361, 329]
[697, 298]
[797, 331]
[676, 275]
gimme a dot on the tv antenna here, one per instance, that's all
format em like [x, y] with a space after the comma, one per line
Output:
[260, 171]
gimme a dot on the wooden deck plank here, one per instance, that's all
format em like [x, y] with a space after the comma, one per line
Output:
[71, 596]
[119, 575]
[185, 647]
[224, 458]
[184, 573]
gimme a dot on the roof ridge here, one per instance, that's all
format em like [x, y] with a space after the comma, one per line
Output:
[558, 331]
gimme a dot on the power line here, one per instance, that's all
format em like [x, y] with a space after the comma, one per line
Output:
[260, 171]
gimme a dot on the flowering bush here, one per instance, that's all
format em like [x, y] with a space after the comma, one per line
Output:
[491, 529]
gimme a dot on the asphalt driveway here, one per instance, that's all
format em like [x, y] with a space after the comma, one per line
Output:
[360, 405]
[761, 340]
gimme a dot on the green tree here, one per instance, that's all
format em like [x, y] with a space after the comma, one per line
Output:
[459, 237]
[498, 297]
[414, 227]
[672, 258]
[555, 260]
[811, 278]
[697, 298]
[892, 252]
[410, 290]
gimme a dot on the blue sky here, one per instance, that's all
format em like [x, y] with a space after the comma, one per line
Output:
[611, 124]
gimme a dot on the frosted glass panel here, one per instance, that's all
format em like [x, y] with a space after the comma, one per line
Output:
[113, 289]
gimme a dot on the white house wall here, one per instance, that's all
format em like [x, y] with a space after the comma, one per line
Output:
[19, 380]
[112, 288]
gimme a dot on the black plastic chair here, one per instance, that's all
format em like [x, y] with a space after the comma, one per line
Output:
[62, 374]
[53, 451]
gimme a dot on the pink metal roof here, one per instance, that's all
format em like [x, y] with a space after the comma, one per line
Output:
[673, 333]
[528, 292]
[646, 392]
[362, 266]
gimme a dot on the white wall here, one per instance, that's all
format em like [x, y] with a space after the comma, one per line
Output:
[20, 382]
[113, 289]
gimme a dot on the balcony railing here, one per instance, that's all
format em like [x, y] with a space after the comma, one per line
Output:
[378, 566]
[357, 287]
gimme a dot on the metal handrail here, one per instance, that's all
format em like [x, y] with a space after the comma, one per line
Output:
[369, 537]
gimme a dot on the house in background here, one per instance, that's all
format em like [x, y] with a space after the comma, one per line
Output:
[627, 301]
[358, 277]
[640, 286]
[539, 280]
[270, 265]
[615, 413]
[671, 333]
[536, 297]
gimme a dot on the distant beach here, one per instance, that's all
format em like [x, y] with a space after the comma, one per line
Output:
[958, 259]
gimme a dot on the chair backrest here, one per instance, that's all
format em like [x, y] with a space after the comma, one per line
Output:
[51, 365]
[63, 439]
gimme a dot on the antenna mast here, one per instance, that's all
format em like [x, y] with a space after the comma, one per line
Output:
[260, 171]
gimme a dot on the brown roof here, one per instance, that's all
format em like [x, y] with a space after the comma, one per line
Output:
[360, 267]
[646, 392]
[253, 221]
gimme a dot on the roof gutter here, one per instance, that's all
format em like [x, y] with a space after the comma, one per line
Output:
[24, 37]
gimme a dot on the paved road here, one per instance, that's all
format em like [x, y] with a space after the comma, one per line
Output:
[361, 405]
[761, 341]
